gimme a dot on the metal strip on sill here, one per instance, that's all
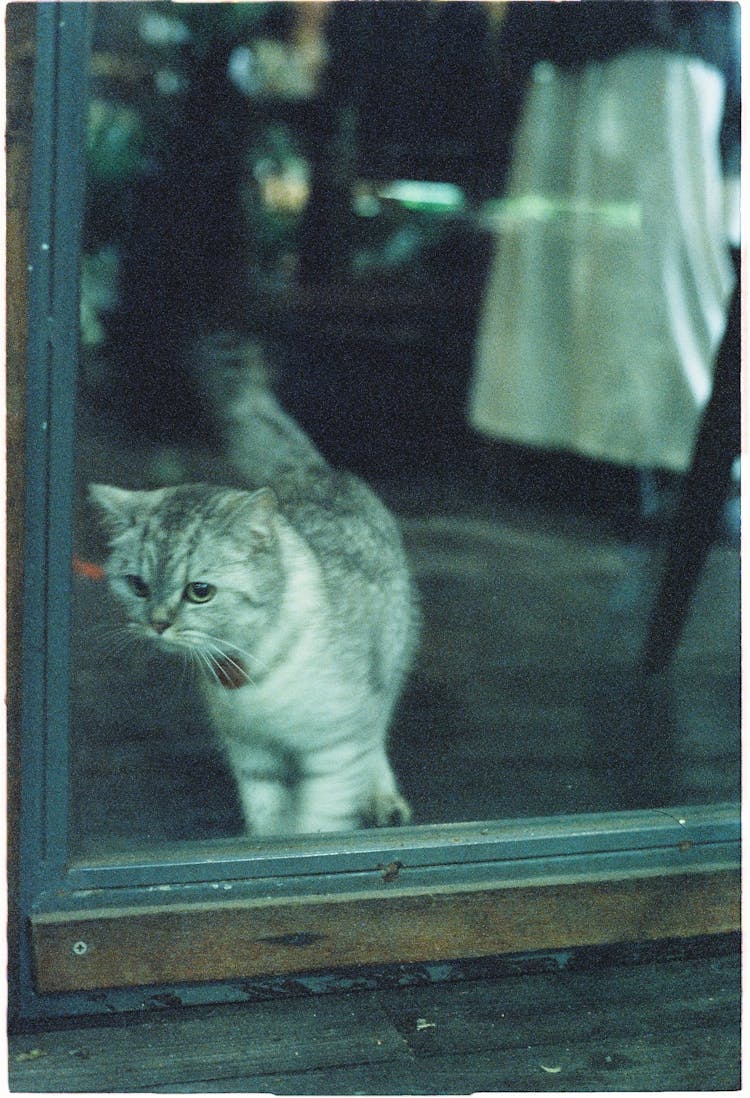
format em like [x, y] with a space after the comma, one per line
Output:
[711, 829]
[542, 873]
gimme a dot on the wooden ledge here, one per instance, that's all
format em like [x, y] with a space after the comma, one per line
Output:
[108, 948]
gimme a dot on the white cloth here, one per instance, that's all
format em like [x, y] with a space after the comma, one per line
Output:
[607, 296]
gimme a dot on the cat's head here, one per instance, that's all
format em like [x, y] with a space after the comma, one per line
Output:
[196, 568]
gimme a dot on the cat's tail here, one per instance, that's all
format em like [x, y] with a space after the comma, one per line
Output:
[262, 442]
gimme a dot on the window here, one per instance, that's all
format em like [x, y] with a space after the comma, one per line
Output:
[108, 918]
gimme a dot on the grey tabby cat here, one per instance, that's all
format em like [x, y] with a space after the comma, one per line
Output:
[295, 599]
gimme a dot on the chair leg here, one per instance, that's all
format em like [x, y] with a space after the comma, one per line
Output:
[704, 495]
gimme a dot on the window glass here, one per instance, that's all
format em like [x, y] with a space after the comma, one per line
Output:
[474, 272]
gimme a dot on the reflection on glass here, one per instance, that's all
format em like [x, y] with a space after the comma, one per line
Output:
[304, 252]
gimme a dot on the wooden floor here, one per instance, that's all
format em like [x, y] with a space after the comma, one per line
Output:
[669, 1025]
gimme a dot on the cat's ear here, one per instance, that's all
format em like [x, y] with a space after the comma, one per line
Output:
[265, 501]
[117, 507]
[259, 511]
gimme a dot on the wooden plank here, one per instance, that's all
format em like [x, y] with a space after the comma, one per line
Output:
[694, 1061]
[217, 1043]
[568, 1007]
[89, 949]
[345, 1044]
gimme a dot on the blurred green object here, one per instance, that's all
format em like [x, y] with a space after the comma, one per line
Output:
[114, 142]
[211, 23]
[504, 212]
[424, 195]
[274, 193]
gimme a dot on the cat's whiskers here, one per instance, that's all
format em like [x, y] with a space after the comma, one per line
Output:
[195, 657]
[198, 655]
[219, 659]
[189, 663]
[216, 665]
[220, 648]
[206, 661]
[116, 638]
[190, 652]
[106, 629]
[236, 647]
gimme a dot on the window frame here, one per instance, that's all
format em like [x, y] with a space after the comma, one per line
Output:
[92, 935]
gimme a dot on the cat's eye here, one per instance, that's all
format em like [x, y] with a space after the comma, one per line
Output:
[199, 592]
[138, 586]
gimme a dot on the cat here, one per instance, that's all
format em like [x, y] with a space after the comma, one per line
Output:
[293, 596]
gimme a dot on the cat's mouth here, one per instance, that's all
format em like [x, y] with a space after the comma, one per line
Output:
[230, 673]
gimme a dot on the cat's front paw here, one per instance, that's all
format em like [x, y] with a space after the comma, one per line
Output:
[389, 810]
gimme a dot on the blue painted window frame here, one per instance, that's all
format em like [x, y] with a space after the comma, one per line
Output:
[51, 880]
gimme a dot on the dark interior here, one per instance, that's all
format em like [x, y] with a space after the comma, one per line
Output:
[537, 569]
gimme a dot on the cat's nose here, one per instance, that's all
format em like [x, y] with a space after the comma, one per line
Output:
[159, 625]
